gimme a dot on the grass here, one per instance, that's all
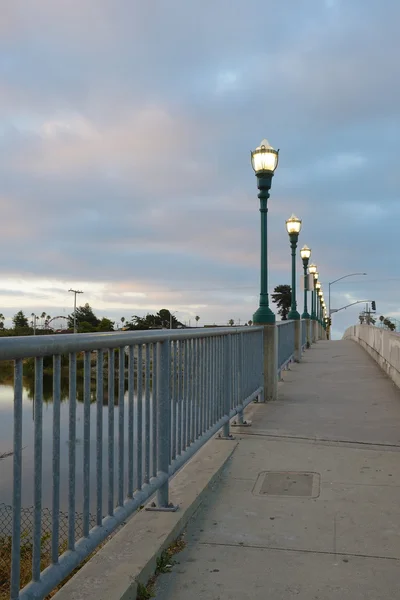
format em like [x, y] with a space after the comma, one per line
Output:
[165, 562]
[26, 562]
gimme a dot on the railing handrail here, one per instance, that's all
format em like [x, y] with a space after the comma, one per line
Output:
[12, 348]
[287, 322]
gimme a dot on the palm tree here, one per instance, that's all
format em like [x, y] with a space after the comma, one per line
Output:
[1, 321]
[197, 320]
[231, 322]
[122, 321]
[282, 297]
[43, 317]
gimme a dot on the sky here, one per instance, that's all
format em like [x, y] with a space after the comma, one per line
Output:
[125, 135]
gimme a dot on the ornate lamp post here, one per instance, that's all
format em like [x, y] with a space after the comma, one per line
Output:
[312, 269]
[264, 161]
[305, 254]
[293, 226]
[317, 299]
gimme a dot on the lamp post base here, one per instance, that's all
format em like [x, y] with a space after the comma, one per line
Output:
[263, 315]
[293, 315]
[305, 315]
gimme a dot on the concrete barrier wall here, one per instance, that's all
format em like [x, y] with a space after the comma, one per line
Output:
[382, 345]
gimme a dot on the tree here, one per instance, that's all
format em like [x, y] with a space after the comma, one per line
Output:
[122, 321]
[20, 320]
[84, 314]
[106, 325]
[231, 322]
[381, 318]
[282, 297]
[1, 321]
[160, 320]
[250, 322]
[197, 318]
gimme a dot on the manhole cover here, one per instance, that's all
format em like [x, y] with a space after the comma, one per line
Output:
[287, 483]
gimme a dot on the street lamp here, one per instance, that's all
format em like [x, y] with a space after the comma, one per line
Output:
[336, 280]
[293, 227]
[317, 289]
[75, 292]
[305, 254]
[312, 269]
[264, 160]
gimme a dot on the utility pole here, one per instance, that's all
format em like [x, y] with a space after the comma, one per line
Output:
[75, 292]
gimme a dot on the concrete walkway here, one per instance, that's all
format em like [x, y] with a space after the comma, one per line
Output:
[308, 507]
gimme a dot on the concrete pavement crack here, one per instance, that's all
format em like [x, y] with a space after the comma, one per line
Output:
[301, 550]
[315, 439]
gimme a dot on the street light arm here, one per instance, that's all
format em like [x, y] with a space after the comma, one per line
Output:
[344, 277]
[335, 310]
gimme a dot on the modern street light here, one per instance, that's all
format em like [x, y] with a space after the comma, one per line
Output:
[75, 292]
[293, 227]
[336, 280]
[305, 254]
[264, 160]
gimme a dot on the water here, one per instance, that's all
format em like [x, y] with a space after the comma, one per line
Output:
[6, 445]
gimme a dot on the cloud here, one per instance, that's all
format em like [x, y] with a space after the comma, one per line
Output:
[125, 134]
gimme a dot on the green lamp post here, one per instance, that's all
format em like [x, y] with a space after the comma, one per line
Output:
[293, 227]
[312, 269]
[317, 288]
[264, 161]
[305, 254]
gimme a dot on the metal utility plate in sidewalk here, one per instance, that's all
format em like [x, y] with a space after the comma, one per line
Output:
[287, 483]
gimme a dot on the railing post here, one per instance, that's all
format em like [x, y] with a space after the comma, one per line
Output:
[228, 383]
[297, 340]
[163, 428]
[270, 360]
[309, 333]
[315, 331]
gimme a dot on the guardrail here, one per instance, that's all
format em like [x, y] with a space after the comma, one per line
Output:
[286, 343]
[303, 334]
[182, 388]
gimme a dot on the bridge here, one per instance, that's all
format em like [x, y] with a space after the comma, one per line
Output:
[200, 487]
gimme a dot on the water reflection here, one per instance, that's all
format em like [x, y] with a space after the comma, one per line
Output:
[6, 439]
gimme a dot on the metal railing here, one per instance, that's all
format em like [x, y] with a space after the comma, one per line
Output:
[163, 393]
[303, 334]
[286, 343]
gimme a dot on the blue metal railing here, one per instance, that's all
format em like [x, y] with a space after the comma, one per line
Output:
[286, 343]
[181, 387]
[303, 334]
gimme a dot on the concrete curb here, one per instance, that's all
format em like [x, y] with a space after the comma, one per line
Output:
[131, 555]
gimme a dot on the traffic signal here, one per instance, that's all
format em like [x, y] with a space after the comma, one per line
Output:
[373, 305]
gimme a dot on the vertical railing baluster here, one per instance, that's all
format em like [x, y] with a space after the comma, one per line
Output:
[192, 404]
[147, 415]
[197, 388]
[55, 529]
[154, 412]
[72, 451]
[121, 425]
[139, 419]
[111, 432]
[205, 390]
[99, 436]
[86, 443]
[179, 400]
[227, 381]
[242, 393]
[131, 417]
[184, 396]
[163, 429]
[17, 478]
[174, 398]
[37, 475]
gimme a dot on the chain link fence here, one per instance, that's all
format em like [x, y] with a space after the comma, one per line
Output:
[27, 516]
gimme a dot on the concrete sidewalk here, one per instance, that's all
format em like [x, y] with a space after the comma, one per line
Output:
[309, 504]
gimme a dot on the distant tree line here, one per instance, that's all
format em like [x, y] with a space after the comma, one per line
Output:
[88, 322]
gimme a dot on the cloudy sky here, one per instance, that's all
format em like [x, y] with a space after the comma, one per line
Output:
[125, 135]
